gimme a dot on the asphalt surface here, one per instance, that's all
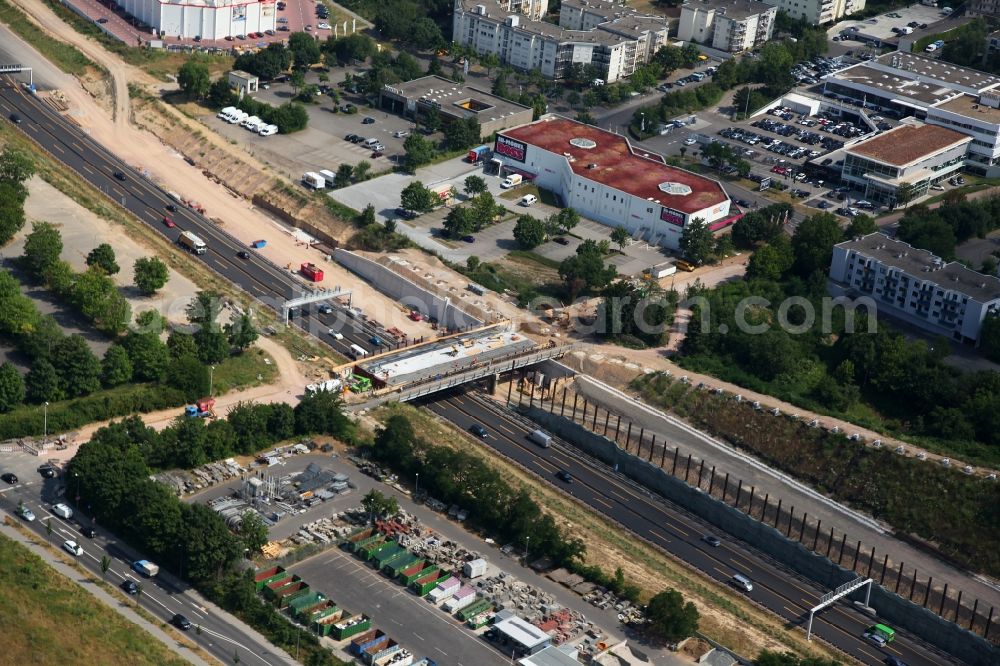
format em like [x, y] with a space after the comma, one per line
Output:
[268, 283]
[162, 596]
[419, 626]
[669, 528]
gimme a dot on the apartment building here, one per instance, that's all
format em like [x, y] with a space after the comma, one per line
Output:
[735, 26]
[819, 11]
[606, 179]
[616, 46]
[915, 286]
[983, 8]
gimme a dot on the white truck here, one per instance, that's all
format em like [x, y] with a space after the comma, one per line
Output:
[252, 123]
[328, 176]
[226, 112]
[313, 180]
[513, 180]
[192, 243]
[267, 130]
[237, 117]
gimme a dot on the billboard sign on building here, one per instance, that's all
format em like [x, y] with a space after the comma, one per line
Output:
[672, 216]
[240, 13]
[515, 150]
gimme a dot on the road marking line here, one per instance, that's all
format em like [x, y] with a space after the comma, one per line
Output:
[417, 635]
[597, 498]
[439, 650]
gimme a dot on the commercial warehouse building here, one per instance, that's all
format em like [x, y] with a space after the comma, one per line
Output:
[453, 101]
[914, 285]
[617, 45]
[727, 26]
[605, 178]
[913, 155]
[208, 19]
[937, 92]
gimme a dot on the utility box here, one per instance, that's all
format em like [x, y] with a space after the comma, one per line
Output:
[312, 272]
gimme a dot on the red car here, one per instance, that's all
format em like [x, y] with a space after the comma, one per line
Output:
[170, 223]
[778, 169]
[377, 154]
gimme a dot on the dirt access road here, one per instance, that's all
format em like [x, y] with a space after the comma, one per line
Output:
[144, 151]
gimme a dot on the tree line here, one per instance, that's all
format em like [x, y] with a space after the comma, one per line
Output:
[905, 383]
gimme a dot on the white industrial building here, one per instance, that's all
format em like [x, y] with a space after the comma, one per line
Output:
[914, 285]
[937, 92]
[819, 11]
[602, 176]
[913, 154]
[727, 26]
[609, 36]
[208, 19]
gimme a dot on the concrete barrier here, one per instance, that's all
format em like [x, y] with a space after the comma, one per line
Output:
[891, 608]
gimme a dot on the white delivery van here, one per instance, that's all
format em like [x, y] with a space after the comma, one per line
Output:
[513, 180]
[251, 120]
[62, 511]
[528, 199]
[371, 143]
[238, 117]
[542, 439]
[268, 130]
[328, 176]
[359, 352]
[254, 123]
[226, 112]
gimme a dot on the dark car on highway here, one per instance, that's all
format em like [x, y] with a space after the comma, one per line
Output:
[712, 540]
[367, 120]
[469, 239]
[564, 476]
[47, 471]
[243, 254]
[16, 119]
[180, 622]
[479, 431]
[120, 175]
[129, 587]
[9, 478]
[88, 532]
[405, 214]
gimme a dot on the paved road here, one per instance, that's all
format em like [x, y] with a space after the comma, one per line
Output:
[221, 635]
[269, 284]
[782, 592]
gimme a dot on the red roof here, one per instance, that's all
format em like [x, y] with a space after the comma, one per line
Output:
[615, 163]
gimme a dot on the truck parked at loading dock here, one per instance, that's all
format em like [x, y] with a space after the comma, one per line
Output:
[192, 243]
[479, 154]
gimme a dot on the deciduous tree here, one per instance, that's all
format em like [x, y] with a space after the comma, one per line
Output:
[529, 232]
[103, 257]
[150, 274]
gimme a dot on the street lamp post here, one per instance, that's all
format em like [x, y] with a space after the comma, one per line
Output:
[211, 381]
[45, 421]
[527, 542]
[76, 475]
[416, 488]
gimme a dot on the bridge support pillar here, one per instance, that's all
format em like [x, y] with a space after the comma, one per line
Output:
[492, 382]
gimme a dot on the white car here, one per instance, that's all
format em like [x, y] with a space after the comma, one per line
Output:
[25, 513]
[401, 134]
[268, 130]
[73, 548]
[336, 335]
[323, 26]
[690, 141]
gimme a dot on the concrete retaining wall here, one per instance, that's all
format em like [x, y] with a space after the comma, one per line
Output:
[894, 610]
[405, 291]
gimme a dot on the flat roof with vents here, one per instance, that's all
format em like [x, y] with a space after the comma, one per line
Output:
[456, 99]
[968, 105]
[939, 70]
[614, 162]
[897, 83]
[908, 143]
[924, 265]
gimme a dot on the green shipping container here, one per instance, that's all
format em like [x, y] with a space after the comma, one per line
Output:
[261, 576]
[386, 554]
[290, 593]
[306, 601]
[415, 573]
[324, 625]
[474, 609]
[404, 561]
[424, 585]
[365, 547]
[304, 613]
[359, 534]
[271, 590]
[329, 615]
[351, 627]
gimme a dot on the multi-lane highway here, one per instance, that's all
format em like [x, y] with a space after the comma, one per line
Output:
[97, 165]
[215, 633]
[671, 529]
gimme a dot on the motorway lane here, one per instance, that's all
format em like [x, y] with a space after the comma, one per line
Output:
[217, 636]
[779, 590]
[262, 280]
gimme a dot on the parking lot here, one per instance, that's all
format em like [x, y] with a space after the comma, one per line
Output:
[323, 144]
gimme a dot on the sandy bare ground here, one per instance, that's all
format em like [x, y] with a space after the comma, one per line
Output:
[144, 151]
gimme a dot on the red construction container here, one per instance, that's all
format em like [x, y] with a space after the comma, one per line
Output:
[312, 272]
